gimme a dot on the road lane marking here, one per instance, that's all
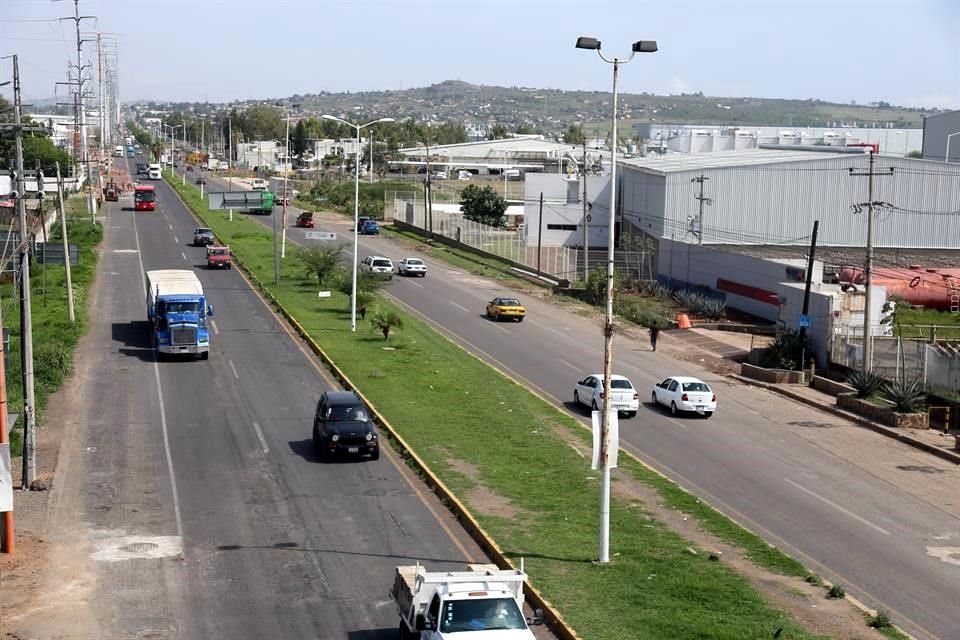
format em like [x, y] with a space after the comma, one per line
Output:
[163, 412]
[838, 507]
[184, 255]
[234, 369]
[263, 441]
[564, 362]
[176, 240]
[458, 306]
[171, 227]
[216, 329]
[416, 284]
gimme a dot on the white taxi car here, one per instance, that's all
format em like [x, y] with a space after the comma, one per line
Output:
[685, 394]
[412, 267]
[589, 392]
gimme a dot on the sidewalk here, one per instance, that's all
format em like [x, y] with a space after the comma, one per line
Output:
[933, 441]
[726, 346]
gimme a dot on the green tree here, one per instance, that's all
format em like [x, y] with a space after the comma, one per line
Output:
[299, 146]
[386, 321]
[498, 132]
[323, 263]
[483, 205]
[36, 145]
[573, 134]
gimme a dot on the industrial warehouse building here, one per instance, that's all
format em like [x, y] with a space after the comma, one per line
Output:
[528, 152]
[939, 131]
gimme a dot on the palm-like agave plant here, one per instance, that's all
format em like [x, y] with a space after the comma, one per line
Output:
[866, 383]
[905, 394]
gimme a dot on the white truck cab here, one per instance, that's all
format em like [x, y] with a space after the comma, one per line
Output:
[483, 603]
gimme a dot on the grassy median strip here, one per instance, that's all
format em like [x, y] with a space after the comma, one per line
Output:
[498, 447]
[54, 336]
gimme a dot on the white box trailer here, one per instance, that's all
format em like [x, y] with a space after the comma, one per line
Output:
[437, 605]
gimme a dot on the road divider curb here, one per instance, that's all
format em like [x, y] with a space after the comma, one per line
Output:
[552, 617]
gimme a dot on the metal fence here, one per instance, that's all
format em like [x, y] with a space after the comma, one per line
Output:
[933, 358]
[510, 244]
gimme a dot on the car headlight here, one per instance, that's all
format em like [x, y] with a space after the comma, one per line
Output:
[369, 436]
[334, 438]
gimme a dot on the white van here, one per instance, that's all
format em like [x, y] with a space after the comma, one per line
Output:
[154, 172]
[258, 184]
[464, 175]
[118, 152]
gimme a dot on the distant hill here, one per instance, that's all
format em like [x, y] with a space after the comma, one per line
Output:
[554, 110]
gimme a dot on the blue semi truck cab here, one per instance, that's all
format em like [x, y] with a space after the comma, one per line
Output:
[178, 312]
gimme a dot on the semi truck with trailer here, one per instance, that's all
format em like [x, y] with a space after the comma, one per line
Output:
[178, 312]
[482, 603]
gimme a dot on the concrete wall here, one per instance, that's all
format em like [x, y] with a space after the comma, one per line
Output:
[747, 283]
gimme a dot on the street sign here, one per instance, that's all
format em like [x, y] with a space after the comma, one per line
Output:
[323, 294]
[805, 321]
[52, 253]
[235, 200]
[320, 235]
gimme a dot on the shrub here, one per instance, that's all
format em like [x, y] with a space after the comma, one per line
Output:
[712, 308]
[836, 592]
[786, 352]
[386, 321]
[906, 395]
[866, 383]
[880, 620]
[595, 289]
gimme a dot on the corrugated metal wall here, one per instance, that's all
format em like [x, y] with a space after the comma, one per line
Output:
[935, 132]
[777, 203]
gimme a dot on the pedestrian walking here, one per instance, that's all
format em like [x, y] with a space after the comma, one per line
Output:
[654, 334]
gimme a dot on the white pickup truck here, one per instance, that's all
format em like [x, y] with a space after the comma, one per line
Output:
[482, 603]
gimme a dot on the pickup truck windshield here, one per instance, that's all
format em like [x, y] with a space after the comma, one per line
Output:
[480, 615]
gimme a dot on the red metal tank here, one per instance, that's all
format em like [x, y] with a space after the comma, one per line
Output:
[929, 287]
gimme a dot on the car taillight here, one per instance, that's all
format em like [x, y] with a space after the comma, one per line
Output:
[601, 395]
[636, 396]
[714, 398]
[684, 397]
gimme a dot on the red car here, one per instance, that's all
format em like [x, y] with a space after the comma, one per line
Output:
[219, 258]
[305, 220]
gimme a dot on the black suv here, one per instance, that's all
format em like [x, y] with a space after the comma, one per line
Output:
[342, 425]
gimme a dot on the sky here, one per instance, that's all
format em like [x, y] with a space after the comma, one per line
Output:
[901, 52]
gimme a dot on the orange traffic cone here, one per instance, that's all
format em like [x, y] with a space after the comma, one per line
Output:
[683, 321]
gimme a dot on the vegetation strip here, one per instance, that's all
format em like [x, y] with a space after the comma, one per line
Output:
[499, 447]
[54, 336]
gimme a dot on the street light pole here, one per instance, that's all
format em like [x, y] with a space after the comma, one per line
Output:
[356, 210]
[643, 46]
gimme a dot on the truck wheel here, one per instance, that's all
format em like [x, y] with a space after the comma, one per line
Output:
[406, 634]
[205, 355]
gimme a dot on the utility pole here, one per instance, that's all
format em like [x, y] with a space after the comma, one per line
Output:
[868, 263]
[540, 235]
[66, 244]
[26, 316]
[81, 117]
[101, 115]
[806, 293]
[586, 219]
[703, 201]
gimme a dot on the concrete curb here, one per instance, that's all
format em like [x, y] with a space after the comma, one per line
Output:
[949, 456]
[464, 517]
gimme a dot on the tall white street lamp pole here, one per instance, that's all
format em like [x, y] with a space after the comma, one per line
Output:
[356, 210]
[286, 174]
[642, 46]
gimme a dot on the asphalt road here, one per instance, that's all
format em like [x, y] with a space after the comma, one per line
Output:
[868, 513]
[214, 457]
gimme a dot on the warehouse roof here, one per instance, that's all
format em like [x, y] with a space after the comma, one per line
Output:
[678, 162]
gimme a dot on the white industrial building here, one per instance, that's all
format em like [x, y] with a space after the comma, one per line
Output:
[939, 133]
[532, 153]
[696, 139]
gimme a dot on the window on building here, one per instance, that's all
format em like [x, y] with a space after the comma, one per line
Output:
[562, 227]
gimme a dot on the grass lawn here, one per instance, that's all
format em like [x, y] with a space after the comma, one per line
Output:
[54, 336]
[498, 447]
[917, 323]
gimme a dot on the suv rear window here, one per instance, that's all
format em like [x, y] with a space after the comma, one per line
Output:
[382, 263]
